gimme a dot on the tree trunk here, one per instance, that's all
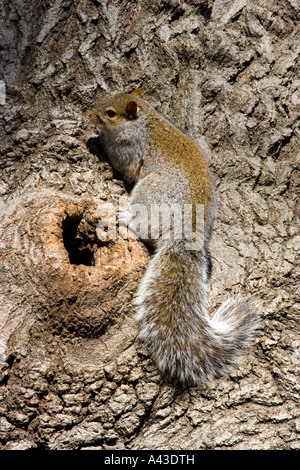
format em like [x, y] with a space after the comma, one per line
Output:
[73, 374]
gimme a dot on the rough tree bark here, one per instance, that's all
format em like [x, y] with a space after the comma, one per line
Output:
[73, 375]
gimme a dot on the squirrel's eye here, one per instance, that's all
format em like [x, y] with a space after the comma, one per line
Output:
[110, 113]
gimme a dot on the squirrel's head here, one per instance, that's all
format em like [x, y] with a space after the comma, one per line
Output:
[116, 110]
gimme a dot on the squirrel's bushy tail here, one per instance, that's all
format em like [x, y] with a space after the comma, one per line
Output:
[184, 340]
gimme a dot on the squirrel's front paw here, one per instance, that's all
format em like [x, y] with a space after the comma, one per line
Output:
[124, 217]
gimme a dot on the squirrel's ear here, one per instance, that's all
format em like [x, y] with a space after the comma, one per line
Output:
[138, 91]
[132, 110]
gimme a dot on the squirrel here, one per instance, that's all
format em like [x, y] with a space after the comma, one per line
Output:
[167, 166]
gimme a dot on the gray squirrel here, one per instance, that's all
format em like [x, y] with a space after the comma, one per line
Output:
[168, 167]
